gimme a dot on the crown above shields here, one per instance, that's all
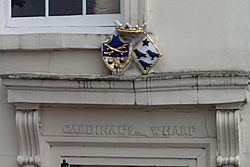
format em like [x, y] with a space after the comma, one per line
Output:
[129, 29]
[129, 44]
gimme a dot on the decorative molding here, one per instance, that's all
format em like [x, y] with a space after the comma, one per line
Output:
[227, 138]
[193, 153]
[27, 124]
[155, 89]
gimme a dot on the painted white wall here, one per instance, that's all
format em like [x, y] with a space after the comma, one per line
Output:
[192, 34]
[201, 35]
[245, 136]
[8, 137]
[204, 35]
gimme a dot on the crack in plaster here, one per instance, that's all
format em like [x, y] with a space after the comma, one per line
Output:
[135, 98]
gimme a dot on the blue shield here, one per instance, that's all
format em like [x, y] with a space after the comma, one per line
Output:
[116, 54]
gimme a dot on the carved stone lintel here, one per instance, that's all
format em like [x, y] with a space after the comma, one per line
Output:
[27, 124]
[228, 138]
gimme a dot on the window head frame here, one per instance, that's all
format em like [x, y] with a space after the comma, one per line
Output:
[84, 20]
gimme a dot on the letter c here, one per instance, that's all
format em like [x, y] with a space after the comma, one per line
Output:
[66, 129]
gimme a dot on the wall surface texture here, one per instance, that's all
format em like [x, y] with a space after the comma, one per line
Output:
[201, 35]
[193, 35]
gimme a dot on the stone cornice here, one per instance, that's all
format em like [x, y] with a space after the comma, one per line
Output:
[154, 76]
[155, 89]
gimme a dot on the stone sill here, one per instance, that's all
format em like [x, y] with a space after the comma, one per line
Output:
[50, 41]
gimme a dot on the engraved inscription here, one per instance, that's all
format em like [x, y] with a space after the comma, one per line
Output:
[173, 130]
[129, 131]
[99, 130]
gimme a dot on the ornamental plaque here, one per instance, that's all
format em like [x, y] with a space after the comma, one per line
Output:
[116, 54]
[146, 54]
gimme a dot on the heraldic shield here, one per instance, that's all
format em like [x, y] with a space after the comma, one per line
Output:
[146, 54]
[116, 54]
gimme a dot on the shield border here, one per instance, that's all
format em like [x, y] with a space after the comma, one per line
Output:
[128, 59]
[145, 72]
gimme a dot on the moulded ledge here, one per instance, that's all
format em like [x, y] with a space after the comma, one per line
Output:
[156, 89]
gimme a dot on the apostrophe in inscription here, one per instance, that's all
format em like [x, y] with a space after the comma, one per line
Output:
[128, 131]
[99, 130]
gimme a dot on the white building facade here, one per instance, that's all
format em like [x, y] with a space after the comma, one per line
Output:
[60, 106]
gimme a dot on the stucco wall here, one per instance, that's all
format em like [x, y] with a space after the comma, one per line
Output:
[245, 136]
[192, 34]
[201, 35]
[8, 137]
[64, 62]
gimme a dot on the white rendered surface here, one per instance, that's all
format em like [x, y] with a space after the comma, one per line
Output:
[193, 35]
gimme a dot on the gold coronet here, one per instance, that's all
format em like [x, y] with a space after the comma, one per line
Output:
[130, 30]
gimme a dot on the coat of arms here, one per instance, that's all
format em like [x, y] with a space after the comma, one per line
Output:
[146, 54]
[116, 54]
[116, 51]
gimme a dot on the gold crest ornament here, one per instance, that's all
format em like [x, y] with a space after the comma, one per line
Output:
[128, 29]
[116, 53]
[146, 54]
